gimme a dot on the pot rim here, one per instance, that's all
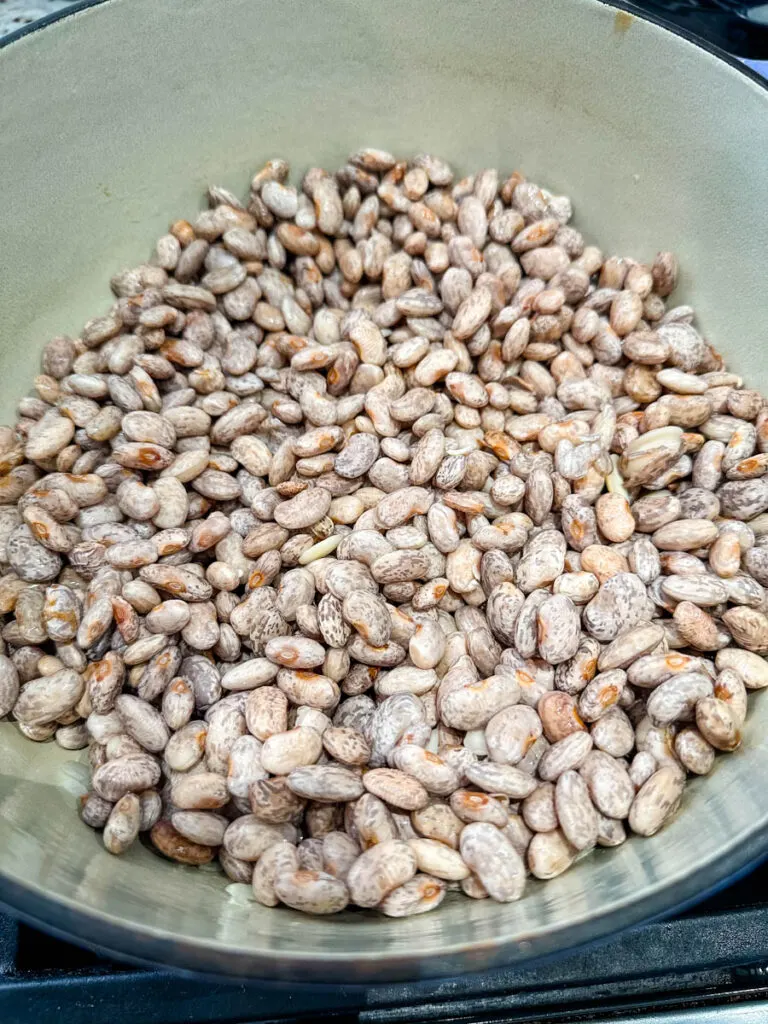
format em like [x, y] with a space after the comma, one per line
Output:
[620, 5]
[218, 959]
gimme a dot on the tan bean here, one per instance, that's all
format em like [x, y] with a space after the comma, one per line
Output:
[717, 724]
[656, 801]
[487, 851]
[695, 753]
[204, 791]
[434, 774]
[273, 801]
[653, 669]
[575, 813]
[306, 509]
[9, 685]
[619, 604]
[282, 752]
[676, 698]
[168, 617]
[511, 733]
[244, 766]
[175, 846]
[474, 704]
[609, 784]
[558, 629]
[94, 810]
[339, 851]
[396, 788]
[44, 700]
[748, 627]
[247, 838]
[142, 722]
[601, 694]
[295, 652]
[730, 688]
[613, 733]
[132, 773]
[279, 859]
[752, 669]
[380, 870]
[200, 827]
[326, 783]
[642, 767]
[122, 826]
[550, 854]
[559, 715]
[569, 752]
[630, 646]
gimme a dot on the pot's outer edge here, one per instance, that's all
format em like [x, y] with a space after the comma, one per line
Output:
[195, 961]
[108, 932]
[619, 5]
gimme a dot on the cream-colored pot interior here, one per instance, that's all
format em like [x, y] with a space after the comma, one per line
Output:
[112, 122]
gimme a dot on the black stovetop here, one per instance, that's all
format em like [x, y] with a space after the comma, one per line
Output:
[710, 959]
[739, 27]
